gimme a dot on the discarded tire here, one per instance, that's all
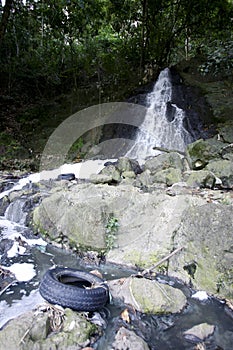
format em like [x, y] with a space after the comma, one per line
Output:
[68, 177]
[75, 289]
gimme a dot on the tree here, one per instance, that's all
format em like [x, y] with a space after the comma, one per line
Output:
[5, 18]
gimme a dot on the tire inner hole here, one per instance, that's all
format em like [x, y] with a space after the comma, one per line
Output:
[75, 281]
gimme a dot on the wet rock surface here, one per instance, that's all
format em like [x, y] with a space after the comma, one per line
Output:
[148, 296]
[199, 333]
[48, 327]
[154, 217]
[137, 219]
[126, 339]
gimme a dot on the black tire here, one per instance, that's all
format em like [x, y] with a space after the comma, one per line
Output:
[75, 289]
[68, 177]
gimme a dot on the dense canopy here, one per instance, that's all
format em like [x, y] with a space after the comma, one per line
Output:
[66, 43]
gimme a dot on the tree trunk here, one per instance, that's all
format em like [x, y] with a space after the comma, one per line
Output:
[5, 18]
[144, 23]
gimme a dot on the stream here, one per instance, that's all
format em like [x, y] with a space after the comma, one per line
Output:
[30, 262]
[28, 257]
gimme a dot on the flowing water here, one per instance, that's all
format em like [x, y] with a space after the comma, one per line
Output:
[162, 127]
[163, 123]
[30, 262]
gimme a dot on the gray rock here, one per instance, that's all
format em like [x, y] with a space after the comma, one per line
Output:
[100, 178]
[113, 172]
[148, 296]
[126, 339]
[124, 164]
[128, 174]
[201, 179]
[204, 234]
[4, 202]
[144, 179]
[33, 331]
[201, 152]
[199, 333]
[164, 161]
[168, 176]
[151, 225]
[226, 131]
[223, 169]
[227, 152]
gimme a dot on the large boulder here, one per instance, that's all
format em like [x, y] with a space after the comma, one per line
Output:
[201, 152]
[148, 296]
[168, 176]
[223, 169]
[201, 178]
[135, 228]
[207, 256]
[164, 161]
[226, 131]
[51, 329]
[82, 213]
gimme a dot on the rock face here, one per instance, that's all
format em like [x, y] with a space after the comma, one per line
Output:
[145, 220]
[204, 233]
[148, 296]
[151, 225]
[140, 217]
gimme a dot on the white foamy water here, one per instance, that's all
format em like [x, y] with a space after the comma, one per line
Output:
[81, 170]
[23, 272]
[201, 295]
[163, 123]
[18, 307]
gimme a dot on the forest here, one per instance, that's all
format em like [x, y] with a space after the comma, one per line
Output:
[97, 51]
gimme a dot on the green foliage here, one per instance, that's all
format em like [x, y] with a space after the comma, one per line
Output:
[50, 47]
[219, 58]
[111, 227]
[75, 150]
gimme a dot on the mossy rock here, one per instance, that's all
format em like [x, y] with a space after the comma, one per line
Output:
[224, 170]
[168, 176]
[203, 151]
[33, 331]
[148, 296]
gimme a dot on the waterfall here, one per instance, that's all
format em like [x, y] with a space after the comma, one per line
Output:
[163, 123]
[15, 212]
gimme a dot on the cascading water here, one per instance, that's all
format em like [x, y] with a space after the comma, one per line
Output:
[163, 123]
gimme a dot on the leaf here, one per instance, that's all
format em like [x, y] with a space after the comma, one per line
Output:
[125, 316]
[97, 273]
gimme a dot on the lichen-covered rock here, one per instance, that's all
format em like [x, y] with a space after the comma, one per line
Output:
[34, 331]
[201, 178]
[124, 164]
[144, 179]
[146, 221]
[226, 131]
[164, 161]
[204, 234]
[168, 176]
[149, 226]
[126, 339]
[148, 296]
[112, 171]
[100, 178]
[201, 152]
[224, 170]
[128, 174]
